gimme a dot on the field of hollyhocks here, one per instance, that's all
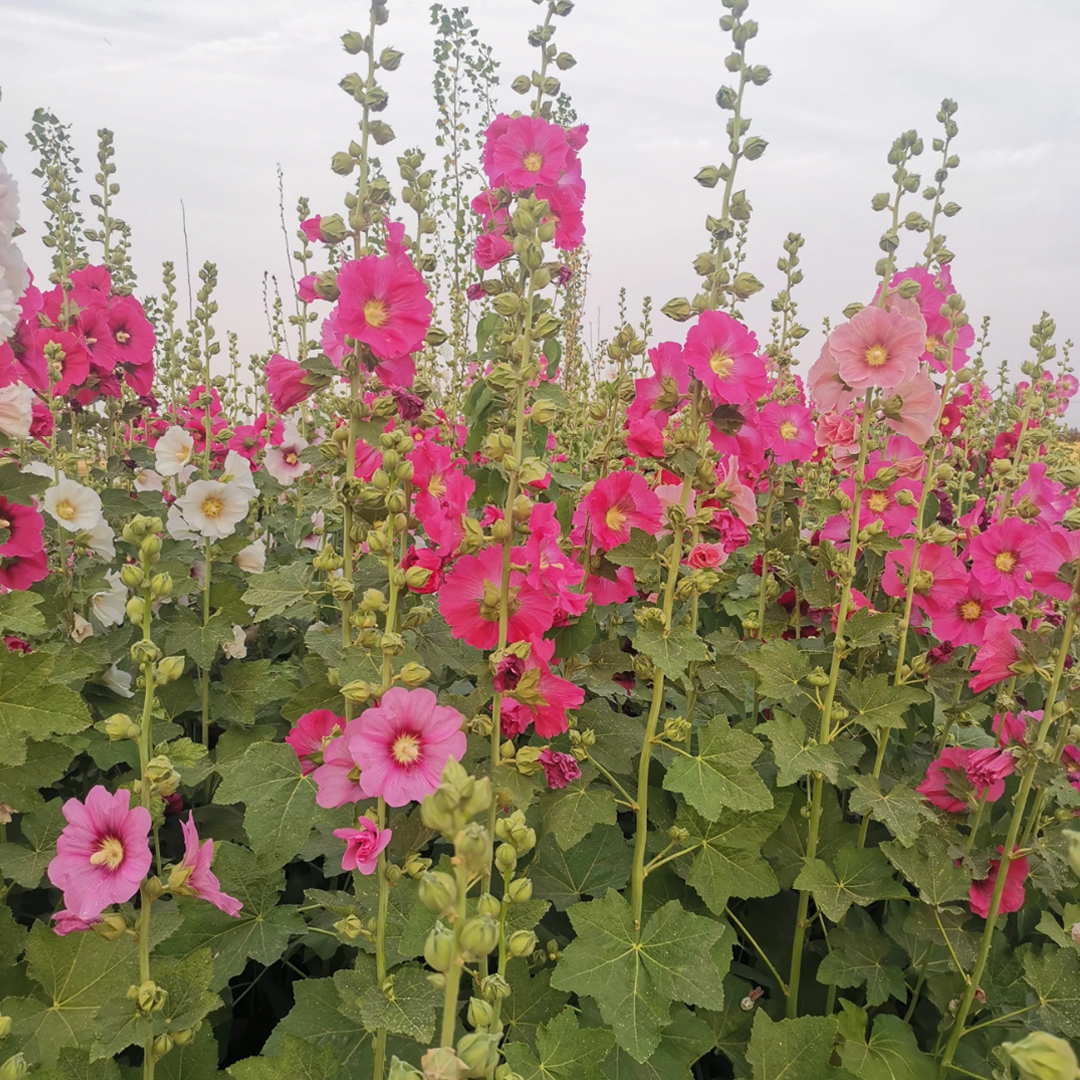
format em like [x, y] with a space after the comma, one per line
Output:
[448, 700]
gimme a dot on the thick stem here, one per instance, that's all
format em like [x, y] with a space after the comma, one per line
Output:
[453, 976]
[380, 942]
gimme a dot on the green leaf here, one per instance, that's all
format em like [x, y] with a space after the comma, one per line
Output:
[575, 638]
[12, 938]
[408, 1008]
[188, 635]
[1055, 978]
[26, 865]
[439, 650]
[299, 1060]
[30, 708]
[860, 953]
[532, 1002]
[670, 652]
[721, 774]
[282, 590]
[187, 981]
[198, 1060]
[19, 614]
[279, 799]
[599, 862]
[563, 1051]
[638, 552]
[20, 486]
[929, 867]
[861, 876]
[791, 1049]
[875, 704]
[779, 666]
[891, 1054]
[570, 814]
[43, 765]
[731, 1025]
[74, 1064]
[682, 1042]
[900, 809]
[795, 755]
[242, 689]
[866, 628]
[635, 975]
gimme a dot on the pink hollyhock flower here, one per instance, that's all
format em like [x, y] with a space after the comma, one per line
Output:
[309, 737]
[551, 569]
[839, 431]
[338, 777]
[102, 854]
[1060, 550]
[547, 703]
[963, 621]
[283, 462]
[91, 286]
[722, 354]
[67, 923]
[930, 300]
[747, 444]
[384, 303]
[788, 431]
[529, 151]
[828, 391]
[559, 769]
[707, 556]
[73, 366]
[644, 439]
[363, 845]
[469, 601]
[1012, 897]
[490, 250]
[1002, 555]
[285, 383]
[426, 559]
[131, 339]
[1070, 758]
[403, 743]
[399, 371]
[201, 881]
[1012, 727]
[878, 347]
[310, 228]
[22, 549]
[618, 503]
[564, 201]
[733, 493]
[960, 777]
[733, 533]
[915, 414]
[670, 380]
[1051, 498]
[616, 590]
[940, 577]
[1000, 650]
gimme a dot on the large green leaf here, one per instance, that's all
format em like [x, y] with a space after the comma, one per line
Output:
[891, 1054]
[299, 1060]
[599, 862]
[563, 1051]
[780, 666]
[31, 708]
[857, 876]
[75, 1064]
[282, 590]
[407, 1007]
[188, 635]
[670, 652]
[795, 754]
[244, 688]
[859, 953]
[570, 814]
[875, 703]
[682, 1042]
[1055, 978]
[19, 614]
[791, 1049]
[634, 975]
[900, 809]
[531, 1003]
[930, 868]
[26, 865]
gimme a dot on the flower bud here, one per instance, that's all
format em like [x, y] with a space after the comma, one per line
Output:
[481, 1014]
[171, 668]
[161, 585]
[678, 309]
[486, 904]
[413, 675]
[120, 726]
[132, 576]
[494, 988]
[135, 609]
[390, 59]
[5, 1027]
[438, 891]
[353, 42]
[479, 935]
[439, 948]
[543, 412]
[471, 847]
[14, 1068]
[162, 1045]
[349, 928]
[1041, 1056]
[520, 891]
[522, 943]
[480, 1052]
[506, 859]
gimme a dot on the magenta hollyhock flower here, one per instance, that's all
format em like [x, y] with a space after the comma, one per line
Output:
[490, 249]
[1051, 498]
[616, 590]
[363, 845]
[1070, 758]
[1012, 896]
[950, 775]
[1060, 548]
[1003, 554]
[384, 303]
[551, 569]
[310, 734]
[74, 363]
[130, 336]
[671, 377]
[201, 881]
[722, 354]
[548, 702]
[102, 854]
[403, 744]
[338, 777]
[788, 431]
[22, 549]
[564, 201]
[940, 577]
[963, 621]
[1000, 650]
[529, 151]
[469, 601]
[67, 923]
[1012, 727]
[644, 439]
[930, 300]
[559, 769]
[311, 229]
[285, 383]
[618, 503]
[878, 347]
[733, 532]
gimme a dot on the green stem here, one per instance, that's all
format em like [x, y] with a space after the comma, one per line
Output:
[758, 949]
[380, 942]
[453, 976]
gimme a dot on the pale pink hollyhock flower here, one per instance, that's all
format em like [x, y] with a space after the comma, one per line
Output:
[530, 151]
[173, 451]
[213, 509]
[363, 845]
[618, 503]
[788, 431]
[950, 775]
[559, 769]
[72, 506]
[878, 347]
[338, 777]
[148, 480]
[733, 493]
[67, 923]
[283, 462]
[201, 881]
[722, 354]
[1002, 556]
[252, 559]
[102, 854]
[310, 734]
[828, 391]
[707, 556]
[403, 743]
[837, 430]
[16, 410]
[981, 895]
[313, 541]
[916, 414]
[1000, 650]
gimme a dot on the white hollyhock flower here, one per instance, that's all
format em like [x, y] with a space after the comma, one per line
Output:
[102, 541]
[213, 509]
[237, 648]
[9, 201]
[314, 539]
[173, 451]
[177, 527]
[13, 268]
[283, 462]
[148, 480]
[237, 471]
[119, 682]
[42, 468]
[80, 629]
[252, 559]
[16, 410]
[74, 507]
[108, 607]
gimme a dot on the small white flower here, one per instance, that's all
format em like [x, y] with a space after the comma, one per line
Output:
[212, 508]
[283, 462]
[173, 451]
[16, 410]
[148, 480]
[237, 648]
[108, 607]
[252, 559]
[237, 471]
[73, 507]
[119, 682]
[102, 541]
[314, 539]
[80, 629]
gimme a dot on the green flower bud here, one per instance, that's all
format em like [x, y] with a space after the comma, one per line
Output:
[480, 1052]
[543, 412]
[471, 846]
[481, 1014]
[520, 891]
[479, 935]
[161, 585]
[522, 943]
[506, 859]
[390, 59]
[131, 575]
[1041, 1056]
[413, 675]
[439, 948]
[171, 668]
[353, 42]
[5, 1027]
[120, 726]
[135, 609]
[14, 1068]
[438, 891]
[486, 904]
[678, 309]
[494, 988]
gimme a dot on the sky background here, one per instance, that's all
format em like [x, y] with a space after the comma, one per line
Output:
[207, 96]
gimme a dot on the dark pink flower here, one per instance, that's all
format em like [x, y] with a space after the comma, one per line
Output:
[959, 777]
[618, 503]
[788, 431]
[963, 620]
[559, 769]
[363, 845]
[669, 383]
[546, 704]
[285, 383]
[1012, 727]
[722, 354]
[644, 439]
[490, 250]
[310, 735]
[529, 151]
[1003, 554]
[1012, 896]
[999, 651]
[338, 777]
[201, 881]
[23, 560]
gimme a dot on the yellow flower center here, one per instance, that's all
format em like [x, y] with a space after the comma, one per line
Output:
[1005, 561]
[932, 342]
[291, 458]
[970, 610]
[788, 431]
[4, 523]
[375, 313]
[877, 355]
[878, 502]
[123, 337]
[437, 486]
[110, 853]
[212, 506]
[65, 510]
[533, 161]
[616, 519]
[722, 364]
[182, 454]
[406, 749]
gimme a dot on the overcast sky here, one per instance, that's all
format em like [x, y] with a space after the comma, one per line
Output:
[207, 96]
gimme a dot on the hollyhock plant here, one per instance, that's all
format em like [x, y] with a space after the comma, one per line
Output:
[981, 894]
[878, 348]
[548, 699]
[559, 769]
[788, 431]
[722, 354]
[338, 778]
[102, 853]
[363, 845]
[963, 620]
[309, 737]
[197, 878]
[618, 503]
[983, 771]
[403, 743]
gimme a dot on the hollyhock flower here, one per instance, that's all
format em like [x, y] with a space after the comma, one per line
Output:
[878, 347]
[108, 607]
[559, 769]
[213, 509]
[236, 649]
[237, 471]
[616, 590]
[1070, 758]
[102, 854]
[200, 880]
[283, 462]
[252, 559]
[403, 743]
[338, 777]
[67, 923]
[828, 391]
[173, 451]
[913, 408]
[897, 519]
[788, 431]
[309, 737]
[528, 151]
[930, 299]
[1060, 550]
[384, 303]
[131, 340]
[963, 620]
[618, 503]
[644, 439]
[564, 201]
[313, 540]
[733, 533]
[16, 410]
[470, 598]
[81, 629]
[545, 703]
[722, 354]
[72, 506]
[838, 431]
[707, 556]
[1000, 650]
[733, 493]
[147, 480]
[490, 250]
[101, 541]
[984, 770]
[1002, 555]
[981, 895]
[249, 439]
[71, 364]
[657, 397]
[310, 229]
[1012, 727]
[1051, 498]
[22, 550]
[940, 577]
[428, 560]
[363, 845]
[285, 383]
[119, 682]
